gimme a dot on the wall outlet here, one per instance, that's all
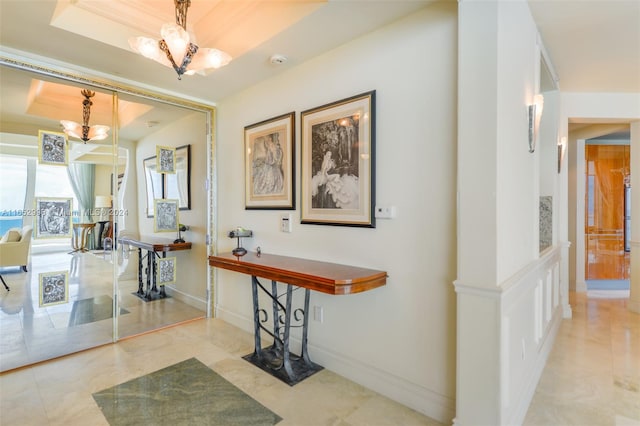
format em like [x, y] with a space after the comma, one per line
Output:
[285, 223]
[318, 314]
[385, 212]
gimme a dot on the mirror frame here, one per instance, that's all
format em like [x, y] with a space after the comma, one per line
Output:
[23, 61]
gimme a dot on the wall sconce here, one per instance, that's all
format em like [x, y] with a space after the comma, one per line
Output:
[562, 144]
[240, 233]
[535, 112]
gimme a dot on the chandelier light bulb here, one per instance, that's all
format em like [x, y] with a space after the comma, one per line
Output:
[178, 48]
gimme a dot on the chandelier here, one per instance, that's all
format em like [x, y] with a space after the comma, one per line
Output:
[178, 48]
[84, 131]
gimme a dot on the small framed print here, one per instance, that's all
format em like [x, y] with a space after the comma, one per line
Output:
[53, 217]
[269, 164]
[166, 271]
[166, 215]
[53, 288]
[53, 148]
[338, 162]
[165, 159]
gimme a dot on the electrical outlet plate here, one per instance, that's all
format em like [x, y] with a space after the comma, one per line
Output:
[285, 223]
[385, 212]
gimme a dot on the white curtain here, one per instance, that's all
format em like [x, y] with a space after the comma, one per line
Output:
[83, 179]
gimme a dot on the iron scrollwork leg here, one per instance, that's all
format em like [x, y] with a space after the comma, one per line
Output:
[140, 286]
[277, 359]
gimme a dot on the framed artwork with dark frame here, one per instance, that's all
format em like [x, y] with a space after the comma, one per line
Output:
[338, 162]
[166, 215]
[53, 148]
[269, 164]
[53, 288]
[53, 217]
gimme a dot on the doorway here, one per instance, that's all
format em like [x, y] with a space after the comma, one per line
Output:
[607, 215]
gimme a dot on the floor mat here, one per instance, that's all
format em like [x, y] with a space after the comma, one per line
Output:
[91, 310]
[187, 393]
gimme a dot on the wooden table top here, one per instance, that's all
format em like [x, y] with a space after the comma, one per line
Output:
[155, 244]
[325, 277]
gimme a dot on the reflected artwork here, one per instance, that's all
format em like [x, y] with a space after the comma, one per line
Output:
[53, 288]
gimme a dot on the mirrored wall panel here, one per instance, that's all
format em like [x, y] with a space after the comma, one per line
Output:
[72, 186]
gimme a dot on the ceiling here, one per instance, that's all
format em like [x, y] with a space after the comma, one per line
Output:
[594, 45]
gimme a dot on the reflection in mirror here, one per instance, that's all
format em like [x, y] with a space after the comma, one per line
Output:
[178, 185]
[153, 183]
[61, 298]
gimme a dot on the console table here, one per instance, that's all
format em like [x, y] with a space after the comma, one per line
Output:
[80, 239]
[330, 278]
[153, 246]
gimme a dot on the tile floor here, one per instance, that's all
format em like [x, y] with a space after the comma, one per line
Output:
[592, 377]
[32, 333]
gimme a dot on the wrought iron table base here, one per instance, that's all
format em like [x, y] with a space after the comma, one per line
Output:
[152, 292]
[277, 359]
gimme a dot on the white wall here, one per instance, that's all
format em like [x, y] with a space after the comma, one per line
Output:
[508, 297]
[192, 264]
[398, 340]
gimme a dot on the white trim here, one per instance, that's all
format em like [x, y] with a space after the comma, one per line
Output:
[407, 393]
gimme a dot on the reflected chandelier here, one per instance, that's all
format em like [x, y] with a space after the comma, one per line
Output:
[85, 132]
[177, 48]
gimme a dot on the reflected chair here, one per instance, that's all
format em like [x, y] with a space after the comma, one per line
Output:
[15, 248]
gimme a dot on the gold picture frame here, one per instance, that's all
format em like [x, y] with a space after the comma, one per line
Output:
[166, 270]
[165, 159]
[166, 218]
[53, 288]
[53, 217]
[53, 148]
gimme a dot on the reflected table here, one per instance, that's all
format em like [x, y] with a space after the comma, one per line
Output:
[325, 277]
[153, 246]
[80, 239]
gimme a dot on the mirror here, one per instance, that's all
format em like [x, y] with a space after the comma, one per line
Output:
[76, 293]
[169, 185]
[178, 185]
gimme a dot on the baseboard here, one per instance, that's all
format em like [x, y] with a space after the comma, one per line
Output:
[414, 396]
[190, 300]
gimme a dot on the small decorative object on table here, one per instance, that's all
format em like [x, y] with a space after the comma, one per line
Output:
[238, 233]
[181, 228]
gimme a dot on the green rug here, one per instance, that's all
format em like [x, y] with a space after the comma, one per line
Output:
[187, 393]
[91, 310]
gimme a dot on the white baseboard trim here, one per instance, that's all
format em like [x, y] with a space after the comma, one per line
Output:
[581, 286]
[412, 395]
[187, 298]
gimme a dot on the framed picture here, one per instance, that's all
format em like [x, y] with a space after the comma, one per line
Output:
[53, 217]
[166, 217]
[165, 159]
[178, 184]
[338, 162]
[166, 271]
[269, 164]
[153, 182]
[53, 288]
[53, 148]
